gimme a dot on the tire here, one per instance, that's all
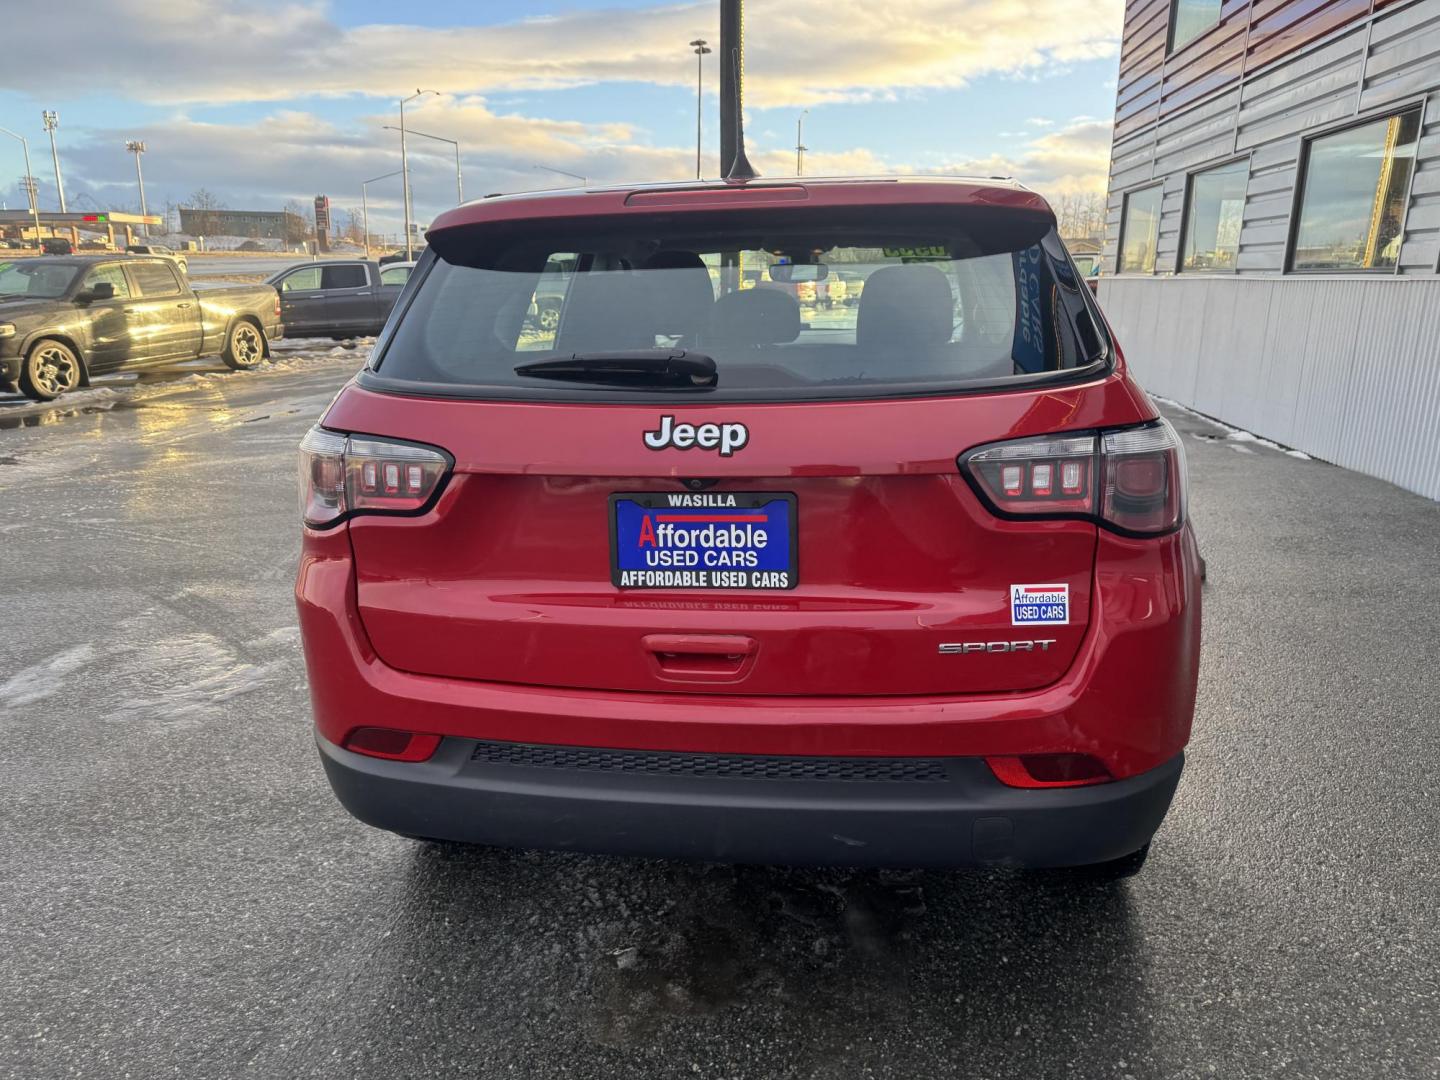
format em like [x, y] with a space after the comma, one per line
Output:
[50, 369]
[548, 317]
[244, 347]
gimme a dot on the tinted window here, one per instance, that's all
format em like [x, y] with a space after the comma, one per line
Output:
[154, 279]
[304, 280]
[938, 308]
[1139, 228]
[44, 280]
[1212, 217]
[1352, 208]
[347, 276]
[1191, 18]
[395, 275]
[111, 273]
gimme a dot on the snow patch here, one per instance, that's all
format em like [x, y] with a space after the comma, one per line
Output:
[44, 679]
[1233, 434]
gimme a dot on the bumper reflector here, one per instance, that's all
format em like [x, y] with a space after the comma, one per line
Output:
[1048, 770]
[392, 744]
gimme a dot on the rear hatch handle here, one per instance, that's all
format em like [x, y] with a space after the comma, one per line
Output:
[701, 657]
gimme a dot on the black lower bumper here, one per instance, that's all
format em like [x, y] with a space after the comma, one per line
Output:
[936, 812]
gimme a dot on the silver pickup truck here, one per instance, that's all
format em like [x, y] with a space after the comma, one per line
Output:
[339, 298]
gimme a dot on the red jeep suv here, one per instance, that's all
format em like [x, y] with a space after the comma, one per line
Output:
[703, 569]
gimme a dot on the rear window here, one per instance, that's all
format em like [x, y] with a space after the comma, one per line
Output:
[789, 305]
[155, 279]
[345, 276]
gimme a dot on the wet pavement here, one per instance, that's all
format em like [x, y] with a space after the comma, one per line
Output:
[180, 895]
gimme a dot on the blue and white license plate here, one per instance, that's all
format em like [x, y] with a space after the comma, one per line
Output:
[704, 540]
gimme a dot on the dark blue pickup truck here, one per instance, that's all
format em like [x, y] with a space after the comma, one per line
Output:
[338, 298]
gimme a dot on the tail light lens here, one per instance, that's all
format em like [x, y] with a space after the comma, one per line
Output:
[341, 475]
[1131, 480]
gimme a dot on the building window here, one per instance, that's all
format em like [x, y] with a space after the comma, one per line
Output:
[1191, 18]
[1352, 196]
[1213, 213]
[1139, 228]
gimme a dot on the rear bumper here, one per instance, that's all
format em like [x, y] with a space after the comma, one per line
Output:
[912, 812]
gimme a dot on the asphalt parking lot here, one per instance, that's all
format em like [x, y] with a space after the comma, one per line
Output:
[180, 895]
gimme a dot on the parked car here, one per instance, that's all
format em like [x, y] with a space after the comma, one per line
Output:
[337, 298]
[699, 578]
[63, 320]
[400, 256]
[56, 245]
[160, 252]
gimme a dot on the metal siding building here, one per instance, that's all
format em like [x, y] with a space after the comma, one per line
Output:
[255, 224]
[1342, 361]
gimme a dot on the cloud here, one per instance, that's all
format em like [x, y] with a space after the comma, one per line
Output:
[1074, 158]
[798, 52]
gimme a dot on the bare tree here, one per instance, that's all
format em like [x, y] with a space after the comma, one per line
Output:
[354, 227]
[299, 222]
[1081, 214]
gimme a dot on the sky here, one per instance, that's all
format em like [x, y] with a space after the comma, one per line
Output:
[264, 102]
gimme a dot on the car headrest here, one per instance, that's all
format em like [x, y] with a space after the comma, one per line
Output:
[681, 296]
[606, 310]
[674, 260]
[759, 316]
[905, 307]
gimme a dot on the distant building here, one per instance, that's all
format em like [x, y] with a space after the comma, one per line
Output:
[253, 224]
[1272, 252]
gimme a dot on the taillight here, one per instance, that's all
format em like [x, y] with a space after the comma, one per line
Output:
[342, 475]
[1131, 480]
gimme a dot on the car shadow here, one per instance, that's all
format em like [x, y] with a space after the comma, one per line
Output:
[1010, 973]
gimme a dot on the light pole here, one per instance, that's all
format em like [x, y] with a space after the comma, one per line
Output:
[562, 172]
[365, 204]
[136, 147]
[701, 50]
[405, 167]
[29, 182]
[459, 183]
[52, 121]
[800, 146]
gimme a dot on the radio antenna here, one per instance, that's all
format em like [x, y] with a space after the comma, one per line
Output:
[740, 169]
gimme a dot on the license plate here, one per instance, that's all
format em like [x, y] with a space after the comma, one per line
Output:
[710, 540]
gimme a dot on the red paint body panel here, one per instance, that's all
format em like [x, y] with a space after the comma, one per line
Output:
[507, 577]
[1127, 700]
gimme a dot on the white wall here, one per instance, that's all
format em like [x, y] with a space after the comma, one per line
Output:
[1344, 368]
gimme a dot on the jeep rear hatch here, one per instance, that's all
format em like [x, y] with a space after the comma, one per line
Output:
[798, 523]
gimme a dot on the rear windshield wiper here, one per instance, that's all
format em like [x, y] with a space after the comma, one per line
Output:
[637, 367]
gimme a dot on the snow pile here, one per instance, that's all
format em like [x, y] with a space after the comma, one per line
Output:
[1234, 435]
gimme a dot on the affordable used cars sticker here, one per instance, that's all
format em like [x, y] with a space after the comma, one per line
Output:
[1039, 605]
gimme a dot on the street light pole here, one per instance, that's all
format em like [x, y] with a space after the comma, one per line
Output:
[52, 121]
[29, 182]
[459, 183]
[405, 167]
[365, 204]
[800, 146]
[699, 45]
[136, 147]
